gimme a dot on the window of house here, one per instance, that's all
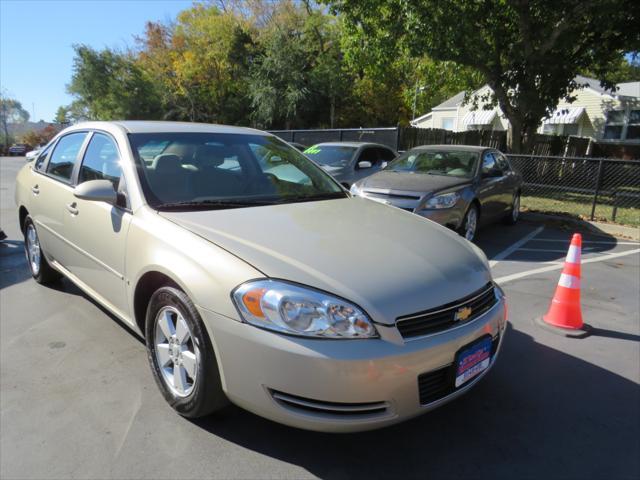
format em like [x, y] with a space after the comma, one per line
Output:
[570, 129]
[447, 123]
[614, 125]
[633, 128]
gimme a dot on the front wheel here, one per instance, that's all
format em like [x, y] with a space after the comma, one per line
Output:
[181, 355]
[470, 223]
[514, 213]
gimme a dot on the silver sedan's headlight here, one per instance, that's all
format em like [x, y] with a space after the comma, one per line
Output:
[288, 308]
[446, 200]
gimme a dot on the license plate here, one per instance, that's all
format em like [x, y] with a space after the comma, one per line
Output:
[473, 360]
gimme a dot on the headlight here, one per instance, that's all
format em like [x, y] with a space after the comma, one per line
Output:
[355, 190]
[446, 200]
[288, 308]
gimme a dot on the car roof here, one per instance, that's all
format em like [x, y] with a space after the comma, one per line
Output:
[453, 148]
[150, 126]
[351, 144]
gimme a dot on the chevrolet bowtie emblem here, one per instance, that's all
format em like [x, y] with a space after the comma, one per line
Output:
[462, 314]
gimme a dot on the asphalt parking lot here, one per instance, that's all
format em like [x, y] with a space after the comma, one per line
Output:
[77, 399]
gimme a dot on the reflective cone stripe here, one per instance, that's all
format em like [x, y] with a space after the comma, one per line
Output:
[565, 310]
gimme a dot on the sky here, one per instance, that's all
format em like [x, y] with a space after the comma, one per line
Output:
[36, 38]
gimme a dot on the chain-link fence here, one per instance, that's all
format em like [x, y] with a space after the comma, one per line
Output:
[595, 189]
[385, 136]
[405, 138]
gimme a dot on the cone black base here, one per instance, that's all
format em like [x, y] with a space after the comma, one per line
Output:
[583, 332]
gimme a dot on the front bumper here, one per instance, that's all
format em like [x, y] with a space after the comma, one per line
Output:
[340, 385]
[449, 217]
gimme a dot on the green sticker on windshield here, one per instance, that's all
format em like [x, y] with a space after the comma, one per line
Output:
[312, 150]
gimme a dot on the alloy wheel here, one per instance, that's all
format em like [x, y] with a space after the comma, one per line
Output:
[33, 249]
[176, 352]
[471, 224]
[515, 212]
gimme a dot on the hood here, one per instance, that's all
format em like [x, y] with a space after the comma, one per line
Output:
[385, 260]
[332, 168]
[412, 182]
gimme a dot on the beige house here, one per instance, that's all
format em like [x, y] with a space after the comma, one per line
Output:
[596, 113]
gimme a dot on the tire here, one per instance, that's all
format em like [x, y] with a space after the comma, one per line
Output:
[38, 265]
[514, 214]
[468, 230]
[188, 378]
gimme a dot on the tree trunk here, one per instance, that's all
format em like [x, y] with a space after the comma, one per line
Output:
[514, 135]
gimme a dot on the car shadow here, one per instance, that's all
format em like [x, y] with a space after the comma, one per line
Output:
[495, 239]
[13, 263]
[540, 413]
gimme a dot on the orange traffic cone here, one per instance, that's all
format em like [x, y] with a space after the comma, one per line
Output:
[565, 312]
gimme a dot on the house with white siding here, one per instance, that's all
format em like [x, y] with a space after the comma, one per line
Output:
[596, 113]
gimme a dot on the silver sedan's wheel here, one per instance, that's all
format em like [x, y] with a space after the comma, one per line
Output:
[177, 355]
[33, 249]
[470, 224]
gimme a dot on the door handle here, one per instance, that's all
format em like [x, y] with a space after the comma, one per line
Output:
[35, 189]
[72, 208]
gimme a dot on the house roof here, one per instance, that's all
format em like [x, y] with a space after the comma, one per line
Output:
[629, 89]
[591, 83]
[452, 102]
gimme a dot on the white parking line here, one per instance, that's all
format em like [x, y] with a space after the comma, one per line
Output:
[516, 276]
[554, 250]
[509, 250]
[601, 242]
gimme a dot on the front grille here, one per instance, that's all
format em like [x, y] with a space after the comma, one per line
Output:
[437, 384]
[443, 318]
[334, 409]
[374, 193]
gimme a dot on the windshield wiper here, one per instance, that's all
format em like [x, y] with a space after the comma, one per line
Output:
[312, 198]
[211, 205]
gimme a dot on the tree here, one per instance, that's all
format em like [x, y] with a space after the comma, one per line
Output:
[109, 85]
[527, 51]
[34, 138]
[11, 111]
[62, 116]
[200, 64]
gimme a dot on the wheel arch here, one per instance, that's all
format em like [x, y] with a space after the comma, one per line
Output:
[22, 216]
[145, 287]
[478, 206]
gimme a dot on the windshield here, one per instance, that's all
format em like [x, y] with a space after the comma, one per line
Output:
[331, 155]
[213, 170]
[436, 162]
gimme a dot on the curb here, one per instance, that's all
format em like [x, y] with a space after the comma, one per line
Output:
[598, 228]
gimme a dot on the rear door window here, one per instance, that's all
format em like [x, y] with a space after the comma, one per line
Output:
[42, 157]
[502, 162]
[65, 155]
[488, 162]
[369, 154]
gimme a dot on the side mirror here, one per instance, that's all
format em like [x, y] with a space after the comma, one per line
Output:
[364, 164]
[96, 191]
